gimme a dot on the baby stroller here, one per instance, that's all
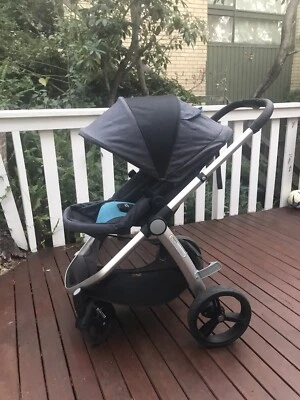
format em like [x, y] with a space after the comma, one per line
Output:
[170, 142]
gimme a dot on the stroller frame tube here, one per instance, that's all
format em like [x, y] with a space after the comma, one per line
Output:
[182, 259]
[168, 239]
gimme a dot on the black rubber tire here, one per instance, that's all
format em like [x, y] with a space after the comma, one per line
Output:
[99, 329]
[80, 302]
[209, 298]
[189, 240]
[193, 250]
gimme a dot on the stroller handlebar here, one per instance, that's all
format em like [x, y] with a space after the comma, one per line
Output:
[257, 124]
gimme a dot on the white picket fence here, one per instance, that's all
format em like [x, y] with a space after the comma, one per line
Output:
[47, 122]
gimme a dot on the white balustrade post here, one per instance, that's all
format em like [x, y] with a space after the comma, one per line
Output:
[108, 176]
[52, 187]
[200, 203]
[236, 172]
[272, 164]
[254, 171]
[288, 160]
[24, 190]
[79, 165]
[10, 210]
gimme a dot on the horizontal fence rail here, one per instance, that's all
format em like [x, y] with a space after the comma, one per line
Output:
[258, 176]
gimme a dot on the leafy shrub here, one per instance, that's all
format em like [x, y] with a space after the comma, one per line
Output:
[294, 95]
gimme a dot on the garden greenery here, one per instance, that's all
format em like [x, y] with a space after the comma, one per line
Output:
[62, 54]
[66, 53]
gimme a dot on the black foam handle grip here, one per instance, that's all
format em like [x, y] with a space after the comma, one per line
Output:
[257, 124]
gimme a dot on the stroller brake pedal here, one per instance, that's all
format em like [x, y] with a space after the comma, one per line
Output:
[209, 270]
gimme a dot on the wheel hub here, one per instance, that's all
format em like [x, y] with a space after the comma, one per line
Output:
[221, 318]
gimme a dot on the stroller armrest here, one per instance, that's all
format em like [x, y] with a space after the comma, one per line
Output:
[257, 124]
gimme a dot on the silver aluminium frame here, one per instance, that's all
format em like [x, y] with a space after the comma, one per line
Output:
[167, 238]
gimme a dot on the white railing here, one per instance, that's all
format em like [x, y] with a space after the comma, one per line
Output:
[47, 122]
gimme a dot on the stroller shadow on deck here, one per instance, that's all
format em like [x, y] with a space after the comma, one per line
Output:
[150, 353]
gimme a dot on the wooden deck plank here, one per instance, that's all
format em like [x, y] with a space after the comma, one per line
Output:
[110, 378]
[136, 378]
[267, 224]
[151, 354]
[56, 370]
[263, 374]
[9, 375]
[264, 361]
[168, 385]
[268, 326]
[223, 360]
[259, 263]
[32, 379]
[107, 371]
[261, 266]
[268, 243]
[235, 271]
[133, 373]
[279, 334]
[144, 254]
[286, 214]
[184, 361]
[274, 385]
[81, 369]
[222, 365]
[260, 257]
[283, 221]
[249, 376]
[268, 230]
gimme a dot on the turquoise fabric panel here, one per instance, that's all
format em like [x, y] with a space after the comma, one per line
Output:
[110, 210]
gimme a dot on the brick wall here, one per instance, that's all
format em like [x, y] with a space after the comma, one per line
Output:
[295, 81]
[188, 65]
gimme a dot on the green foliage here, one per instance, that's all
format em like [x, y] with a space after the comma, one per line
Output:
[294, 95]
[53, 56]
[158, 85]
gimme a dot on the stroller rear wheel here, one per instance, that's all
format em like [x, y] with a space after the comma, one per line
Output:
[93, 317]
[100, 325]
[214, 326]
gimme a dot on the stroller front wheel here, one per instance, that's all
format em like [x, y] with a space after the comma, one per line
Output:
[218, 316]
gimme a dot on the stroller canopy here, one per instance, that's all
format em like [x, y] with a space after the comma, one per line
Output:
[159, 134]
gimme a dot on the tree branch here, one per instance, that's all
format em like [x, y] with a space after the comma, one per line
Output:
[3, 148]
[286, 48]
[136, 11]
[291, 53]
[141, 76]
[133, 56]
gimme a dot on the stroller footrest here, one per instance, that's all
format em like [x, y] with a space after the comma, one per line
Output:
[211, 269]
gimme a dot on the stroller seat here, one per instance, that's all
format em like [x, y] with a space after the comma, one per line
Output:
[169, 140]
[102, 218]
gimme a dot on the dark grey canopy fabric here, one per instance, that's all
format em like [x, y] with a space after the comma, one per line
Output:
[161, 135]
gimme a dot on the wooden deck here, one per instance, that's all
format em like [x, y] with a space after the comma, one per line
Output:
[151, 354]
